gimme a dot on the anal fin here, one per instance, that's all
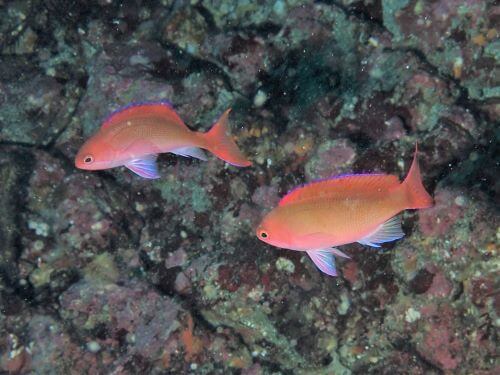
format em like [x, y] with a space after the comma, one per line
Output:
[386, 232]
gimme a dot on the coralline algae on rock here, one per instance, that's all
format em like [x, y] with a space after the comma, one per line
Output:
[104, 272]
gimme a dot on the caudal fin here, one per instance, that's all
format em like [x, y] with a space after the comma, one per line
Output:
[220, 143]
[417, 196]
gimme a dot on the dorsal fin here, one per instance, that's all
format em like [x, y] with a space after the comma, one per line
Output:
[340, 186]
[135, 110]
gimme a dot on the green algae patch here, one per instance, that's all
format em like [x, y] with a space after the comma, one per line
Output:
[184, 192]
[41, 275]
[254, 326]
[390, 9]
[102, 269]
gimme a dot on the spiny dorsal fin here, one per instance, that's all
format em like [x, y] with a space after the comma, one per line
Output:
[138, 110]
[340, 186]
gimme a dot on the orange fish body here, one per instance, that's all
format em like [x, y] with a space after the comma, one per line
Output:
[135, 135]
[345, 209]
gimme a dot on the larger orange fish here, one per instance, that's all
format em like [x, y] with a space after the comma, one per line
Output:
[136, 134]
[353, 208]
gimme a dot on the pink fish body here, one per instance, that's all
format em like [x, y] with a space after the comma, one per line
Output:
[135, 135]
[354, 208]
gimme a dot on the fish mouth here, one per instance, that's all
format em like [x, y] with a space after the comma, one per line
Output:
[79, 164]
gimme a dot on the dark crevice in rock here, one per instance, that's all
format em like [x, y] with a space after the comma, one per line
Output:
[191, 64]
[458, 292]
[265, 30]
[298, 79]
[50, 145]
[361, 12]
[421, 282]
[15, 170]
[207, 16]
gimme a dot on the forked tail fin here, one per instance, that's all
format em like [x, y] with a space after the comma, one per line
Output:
[221, 144]
[417, 196]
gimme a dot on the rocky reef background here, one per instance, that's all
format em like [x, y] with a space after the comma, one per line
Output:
[104, 272]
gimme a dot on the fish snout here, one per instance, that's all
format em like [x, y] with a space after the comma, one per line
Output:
[78, 162]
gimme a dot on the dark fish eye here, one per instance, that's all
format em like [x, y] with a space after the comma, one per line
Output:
[88, 159]
[263, 234]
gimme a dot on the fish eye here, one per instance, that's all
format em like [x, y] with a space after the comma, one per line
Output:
[263, 234]
[88, 159]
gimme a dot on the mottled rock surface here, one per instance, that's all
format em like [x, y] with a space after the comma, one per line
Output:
[105, 272]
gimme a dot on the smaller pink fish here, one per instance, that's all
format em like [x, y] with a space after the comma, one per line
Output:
[135, 135]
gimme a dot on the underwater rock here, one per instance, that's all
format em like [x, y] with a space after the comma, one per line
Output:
[441, 344]
[448, 297]
[440, 287]
[254, 326]
[105, 272]
[332, 158]
[245, 13]
[187, 28]
[54, 350]
[131, 316]
[454, 36]
[438, 220]
[245, 58]
[34, 108]
[124, 72]
[71, 218]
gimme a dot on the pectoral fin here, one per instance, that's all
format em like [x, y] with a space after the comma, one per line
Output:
[145, 166]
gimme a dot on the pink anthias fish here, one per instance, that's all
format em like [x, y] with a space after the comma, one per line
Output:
[134, 136]
[360, 208]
